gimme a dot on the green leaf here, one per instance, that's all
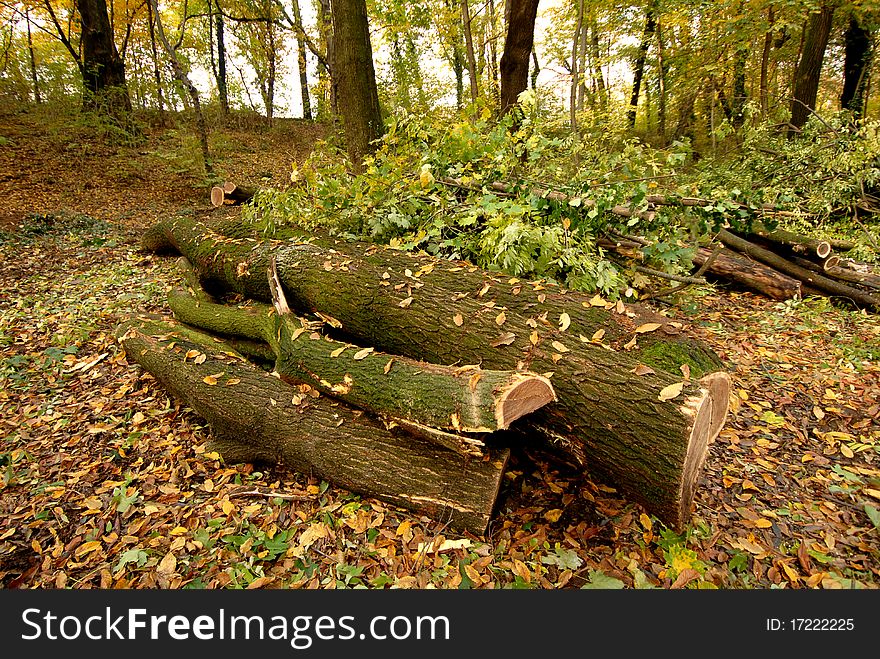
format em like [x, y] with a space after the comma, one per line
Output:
[873, 514]
[601, 581]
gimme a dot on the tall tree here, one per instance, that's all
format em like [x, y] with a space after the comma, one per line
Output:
[220, 70]
[639, 66]
[33, 58]
[469, 43]
[354, 78]
[302, 63]
[809, 68]
[858, 53]
[521, 15]
[102, 68]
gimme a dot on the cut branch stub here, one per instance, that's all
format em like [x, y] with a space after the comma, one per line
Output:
[256, 417]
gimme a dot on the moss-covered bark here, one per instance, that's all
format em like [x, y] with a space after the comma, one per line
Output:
[607, 417]
[463, 399]
[254, 415]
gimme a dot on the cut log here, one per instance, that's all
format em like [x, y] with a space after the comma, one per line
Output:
[646, 434]
[465, 399]
[726, 265]
[256, 417]
[813, 280]
[230, 193]
[794, 241]
[852, 271]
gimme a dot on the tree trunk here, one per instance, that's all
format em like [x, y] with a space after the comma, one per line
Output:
[572, 101]
[858, 52]
[810, 67]
[765, 63]
[625, 427]
[354, 79]
[661, 84]
[521, 16]
[33, 58]
[158, 76]
[469, 49]
[229, 194]
[222, 86]
[256, 417]
[302, 64]
[103, 69]
[639, 66]
[465, 399]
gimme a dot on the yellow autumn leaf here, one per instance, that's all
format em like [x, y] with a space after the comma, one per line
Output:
[641, 369]
[190, 354]
[168, 564]
[597, 301]
[227, 506]
[458, 320]
[338, 351]
[87, 547]
[403, 528]
[647, 327]
[597, 336]
[553, 515]
[670, 391]
[533, 337]
[388, 366]
[564, 321]
[558, 346]
[362, 354]
[500, 318]
[232, 381]
[403, 304]
[211, 379]
[763, 523]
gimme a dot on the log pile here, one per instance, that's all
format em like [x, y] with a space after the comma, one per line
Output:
[410, 378]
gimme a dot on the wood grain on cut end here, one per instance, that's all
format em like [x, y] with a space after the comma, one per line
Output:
[718, 386]
[703, 409]
[527, 394]
[218, 195]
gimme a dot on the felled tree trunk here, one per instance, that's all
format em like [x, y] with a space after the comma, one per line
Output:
[751, 274]
[229, 193]
[645, 430]
[465, 399]
[257, 417]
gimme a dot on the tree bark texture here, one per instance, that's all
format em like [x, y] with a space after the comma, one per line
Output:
[256, 417]
[354, 79]
[639, 67]
[103, 70]
[517, 49]
[858, 53]
[606, 417]
[465, 399]
[810, 66]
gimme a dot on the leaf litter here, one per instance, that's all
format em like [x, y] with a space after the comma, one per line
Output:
[106, 481]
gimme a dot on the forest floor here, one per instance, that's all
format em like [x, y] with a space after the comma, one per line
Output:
[106, 482]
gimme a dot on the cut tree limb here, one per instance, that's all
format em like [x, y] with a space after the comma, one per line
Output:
[751, 274]
[257, 417]
[813, 280]
[464, 399]
[230, 193]
[646, 434]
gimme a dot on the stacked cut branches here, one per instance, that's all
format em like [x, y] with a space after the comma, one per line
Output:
[443, 354]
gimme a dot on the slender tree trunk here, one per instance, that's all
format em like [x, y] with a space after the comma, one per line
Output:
[597, 62]
[582, 64]
[271, 58]
[469, 47]
[493, 54]
[302, 64]
[521, 15]
[33, 58]
[810, 67]
[222, 86]
[661, 84]
[738, 102]
[325, 72]
[856, 67]
[639, 67]
[536, 70]
[103, 69]
[190, 88]
[765, 62]
[355, 79]
[572, 103]
[158, 76]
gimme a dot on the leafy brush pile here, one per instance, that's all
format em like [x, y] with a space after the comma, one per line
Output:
[436, 186]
